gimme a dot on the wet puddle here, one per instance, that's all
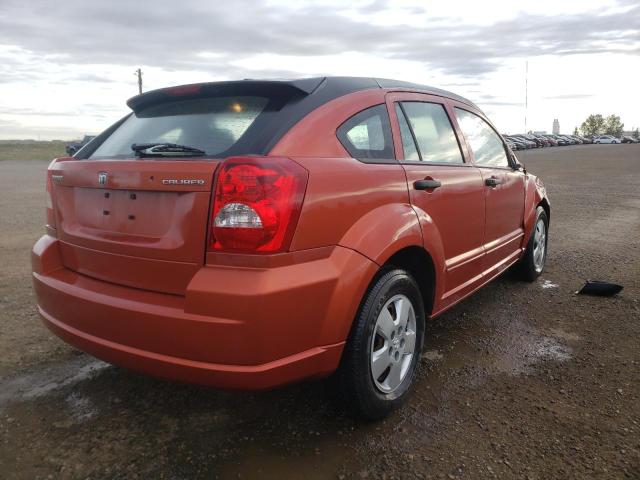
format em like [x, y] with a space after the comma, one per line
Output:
[513, 350]
[49, 379]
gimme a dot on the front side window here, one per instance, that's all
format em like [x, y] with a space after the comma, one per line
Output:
[433, 132]
[488, 149]
[367, 135]
[213, 124]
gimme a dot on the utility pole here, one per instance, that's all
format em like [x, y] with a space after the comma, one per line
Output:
[138, 72]
[526, 93]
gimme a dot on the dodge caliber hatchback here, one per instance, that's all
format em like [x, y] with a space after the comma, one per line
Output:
[250, 234]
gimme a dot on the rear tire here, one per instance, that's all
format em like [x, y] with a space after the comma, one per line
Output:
[384, 347]
[532, 264]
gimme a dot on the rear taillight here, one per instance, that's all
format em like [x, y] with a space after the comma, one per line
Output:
[51, 219]
[256, 204]
[51, 176]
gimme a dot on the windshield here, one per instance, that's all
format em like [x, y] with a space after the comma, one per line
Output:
[211, 124]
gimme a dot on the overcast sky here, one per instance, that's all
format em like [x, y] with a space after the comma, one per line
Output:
[67, 67]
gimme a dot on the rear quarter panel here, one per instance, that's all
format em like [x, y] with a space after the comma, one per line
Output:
[363, 206]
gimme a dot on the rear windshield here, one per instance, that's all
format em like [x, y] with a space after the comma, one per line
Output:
[213, 124]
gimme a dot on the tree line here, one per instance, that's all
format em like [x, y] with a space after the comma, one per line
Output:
[596, 124]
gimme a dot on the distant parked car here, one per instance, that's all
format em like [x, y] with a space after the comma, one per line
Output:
[559, 141]
[73, 147]
[542, 140]
[511, 144]
[518, 142]
[628, 139]
[606, 139]
[525, 140]
[552, 141]
[562, 141]
[587, 139]
[532, 138]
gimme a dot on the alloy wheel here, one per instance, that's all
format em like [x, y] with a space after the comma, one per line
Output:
[393, 343]
[539, 245]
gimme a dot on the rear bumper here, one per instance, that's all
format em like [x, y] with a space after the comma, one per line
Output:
[236, 327]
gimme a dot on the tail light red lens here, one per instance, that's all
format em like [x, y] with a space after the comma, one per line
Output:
[51, 174]
[256, 205]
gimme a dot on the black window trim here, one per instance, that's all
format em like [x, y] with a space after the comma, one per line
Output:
[413, 135]
[380, 161]
[464, 162]
[507, 150]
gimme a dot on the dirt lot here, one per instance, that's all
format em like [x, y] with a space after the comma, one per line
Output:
[31, 150]
[524, 381]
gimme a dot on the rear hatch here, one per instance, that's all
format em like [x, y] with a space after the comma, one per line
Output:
[132, 206]
[140, 223]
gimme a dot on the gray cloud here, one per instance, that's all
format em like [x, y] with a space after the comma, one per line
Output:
[569, 96]
[169, 36]
[49, 45]
[85, 77]
[501, 103]
[20, 111]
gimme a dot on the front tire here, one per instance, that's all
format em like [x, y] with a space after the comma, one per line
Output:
[532, 264]
[384, 347]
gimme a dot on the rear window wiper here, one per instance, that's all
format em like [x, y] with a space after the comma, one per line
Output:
[165, 150]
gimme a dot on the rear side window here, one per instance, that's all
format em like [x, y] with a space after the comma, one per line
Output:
[488, 149]
[367, 135]
[432, 131]
[213, 124]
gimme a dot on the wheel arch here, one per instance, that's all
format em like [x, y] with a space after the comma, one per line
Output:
[383, 231]
[544, 203]
[418, 262]
[392, 236]
[535, 196]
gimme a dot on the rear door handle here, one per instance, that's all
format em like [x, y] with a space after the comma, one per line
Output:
[492, 182]
[426, 184]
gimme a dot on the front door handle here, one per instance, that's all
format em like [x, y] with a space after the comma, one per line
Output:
[492, 182]
[426, 184]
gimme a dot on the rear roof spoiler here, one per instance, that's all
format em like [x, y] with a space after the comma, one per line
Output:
[302, 87]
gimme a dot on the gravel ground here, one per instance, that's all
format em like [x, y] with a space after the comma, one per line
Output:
[526, 381]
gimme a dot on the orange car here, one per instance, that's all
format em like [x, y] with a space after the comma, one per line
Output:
[254, 233]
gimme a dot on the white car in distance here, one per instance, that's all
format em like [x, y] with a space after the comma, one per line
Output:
[606, 139]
